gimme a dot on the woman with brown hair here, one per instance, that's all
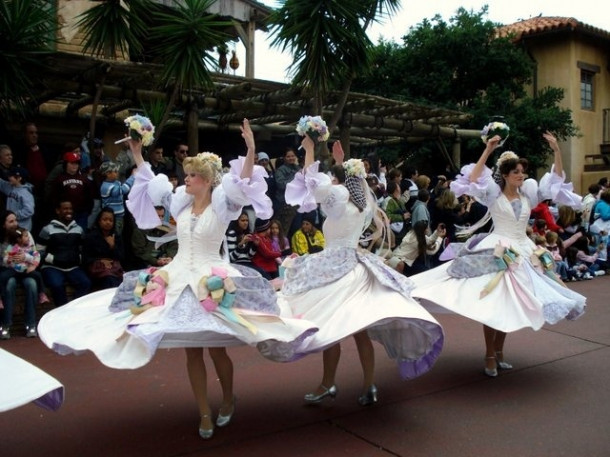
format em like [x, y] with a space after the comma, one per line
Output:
[492, 278]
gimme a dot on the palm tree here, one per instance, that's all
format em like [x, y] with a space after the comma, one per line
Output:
[186, 35]
[183, 35]
[27, 33]
[329, 45]
[112, 28]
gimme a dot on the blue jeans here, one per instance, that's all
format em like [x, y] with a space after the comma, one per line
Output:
[8, 285]
[56, 280]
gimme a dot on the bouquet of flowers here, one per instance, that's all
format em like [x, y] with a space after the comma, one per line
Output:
[495, 128]
[139, 128]
[314, 127]
[354, 167]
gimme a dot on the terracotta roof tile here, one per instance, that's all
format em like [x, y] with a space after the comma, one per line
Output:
[541, 24]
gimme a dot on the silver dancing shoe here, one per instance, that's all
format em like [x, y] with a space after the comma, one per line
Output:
[369, 397]
[312, 398]
[501, 363]
[222, 420]
[491, 372]
[206, 433]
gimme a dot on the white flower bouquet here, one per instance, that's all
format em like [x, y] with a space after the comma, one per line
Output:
[495, 128]
[314, 127]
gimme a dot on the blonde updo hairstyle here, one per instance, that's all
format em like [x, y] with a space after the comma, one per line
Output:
[206, 164]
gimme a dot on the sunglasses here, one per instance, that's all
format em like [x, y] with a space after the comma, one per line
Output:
[183, 151]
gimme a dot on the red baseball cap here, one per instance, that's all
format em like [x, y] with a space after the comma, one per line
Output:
[71, 157]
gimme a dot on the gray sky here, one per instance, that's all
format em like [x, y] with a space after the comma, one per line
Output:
[271, 65]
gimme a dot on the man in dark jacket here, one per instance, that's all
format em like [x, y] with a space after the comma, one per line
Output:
[60, 245]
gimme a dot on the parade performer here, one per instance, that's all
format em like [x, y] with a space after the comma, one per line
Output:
[348, 291]
[198, 300]
[493, 278]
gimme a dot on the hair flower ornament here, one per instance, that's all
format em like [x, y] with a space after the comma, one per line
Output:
[139, 128]
[212, 159]
[355, 168]
[495, 128]
[314, 127]
[506, 155]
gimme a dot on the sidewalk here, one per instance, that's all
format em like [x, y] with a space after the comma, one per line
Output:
[556, 401]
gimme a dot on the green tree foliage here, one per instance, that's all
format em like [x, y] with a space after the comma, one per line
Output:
[27, 33]
[114, 27]
[463, 65]
[186, 35]
[326, 39]
[329, 45]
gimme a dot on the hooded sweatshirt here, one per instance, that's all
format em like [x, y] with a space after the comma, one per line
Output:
[19, 200]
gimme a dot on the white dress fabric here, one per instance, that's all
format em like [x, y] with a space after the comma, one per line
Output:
[344, 290]
[524, 296]
[22, 383]
[102, 322]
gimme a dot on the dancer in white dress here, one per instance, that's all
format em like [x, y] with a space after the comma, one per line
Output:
[198, 300]
[499, 279]
[347, 291]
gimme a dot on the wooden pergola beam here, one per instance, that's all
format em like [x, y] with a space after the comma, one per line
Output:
[75, 105]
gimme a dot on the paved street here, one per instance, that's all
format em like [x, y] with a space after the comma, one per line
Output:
[554, 403]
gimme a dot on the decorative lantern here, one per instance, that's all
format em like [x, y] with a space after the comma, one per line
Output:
[222, 58]
[234, 62]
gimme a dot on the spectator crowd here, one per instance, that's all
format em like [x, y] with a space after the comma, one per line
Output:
[64, 223]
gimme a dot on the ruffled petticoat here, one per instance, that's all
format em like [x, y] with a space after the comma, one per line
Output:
[523, 297]
[100, 322]
[344, 291]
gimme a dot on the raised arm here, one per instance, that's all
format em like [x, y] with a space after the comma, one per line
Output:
[550, 138]
[248, 136]
[135, 146]
[492, 144]
[338, 153]
[308, 145]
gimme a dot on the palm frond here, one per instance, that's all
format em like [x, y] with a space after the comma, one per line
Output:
[326, 38]
[187, 35]
[27, 31]
[114, 27]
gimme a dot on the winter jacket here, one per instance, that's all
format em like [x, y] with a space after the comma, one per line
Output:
[61, 245]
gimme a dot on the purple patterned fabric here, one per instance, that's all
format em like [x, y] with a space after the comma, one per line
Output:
[314, 270]
[253, 292]
[384, 274]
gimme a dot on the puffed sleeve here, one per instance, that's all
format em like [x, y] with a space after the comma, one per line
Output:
[236, 192]
[335, 201]
[553, 187]
[148, 190]
[308, 188]
[485, 190]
